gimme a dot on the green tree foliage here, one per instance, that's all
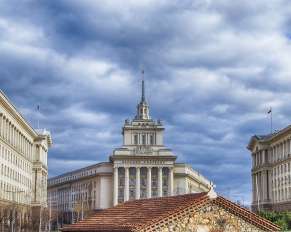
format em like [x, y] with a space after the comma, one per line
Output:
[282, 219]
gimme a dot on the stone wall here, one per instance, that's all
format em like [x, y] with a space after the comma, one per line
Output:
[210, 218]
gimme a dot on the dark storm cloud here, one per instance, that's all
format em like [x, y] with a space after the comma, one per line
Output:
[213, 68]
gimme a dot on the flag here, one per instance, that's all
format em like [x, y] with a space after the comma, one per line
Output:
[270, 110]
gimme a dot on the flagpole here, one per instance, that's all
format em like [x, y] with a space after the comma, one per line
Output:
[271, 121]
[38, 116]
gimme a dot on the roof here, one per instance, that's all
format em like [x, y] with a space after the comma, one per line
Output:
[140, 214]
[267, 137]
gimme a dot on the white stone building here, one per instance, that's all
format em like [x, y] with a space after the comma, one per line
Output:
[23, 160]
[271, 170]
[141, 168]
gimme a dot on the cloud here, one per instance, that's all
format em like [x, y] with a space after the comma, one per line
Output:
[212, 69]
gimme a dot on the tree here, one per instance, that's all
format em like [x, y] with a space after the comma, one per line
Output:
[282, 219]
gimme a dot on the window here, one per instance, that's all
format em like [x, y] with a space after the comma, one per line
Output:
[151, 139]
[143, 139]
[135, 139]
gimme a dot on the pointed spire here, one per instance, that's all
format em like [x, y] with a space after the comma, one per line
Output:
[142, 87]
[142, 107]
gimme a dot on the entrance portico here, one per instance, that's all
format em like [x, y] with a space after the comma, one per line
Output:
[129, 184]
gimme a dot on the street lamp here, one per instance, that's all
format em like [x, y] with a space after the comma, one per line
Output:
[13, 210]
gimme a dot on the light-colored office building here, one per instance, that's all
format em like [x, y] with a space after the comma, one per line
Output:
[23, 163]
[141, 168]
[271, 174]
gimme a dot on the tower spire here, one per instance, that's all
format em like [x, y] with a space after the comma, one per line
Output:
[142, 107]
[142, 87]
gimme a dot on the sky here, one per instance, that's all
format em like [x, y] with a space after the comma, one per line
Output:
[213, 68]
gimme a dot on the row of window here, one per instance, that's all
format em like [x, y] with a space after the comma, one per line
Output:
[281, 169]
[260, 157]
[10, 133]
[276, 153]
[75, 206]
[12, 193]
[282, 194]
[281, 151]
[281, 182]
[14, 175]
[73, 176]
[14, 159]
[144, 139]
[72, 195]
[76, 188]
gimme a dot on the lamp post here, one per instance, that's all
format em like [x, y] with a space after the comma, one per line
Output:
[13, 209]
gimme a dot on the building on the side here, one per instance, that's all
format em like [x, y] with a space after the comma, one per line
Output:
[23, 169]
[196, 212]
[73, 195]
[141, 168]
[271, 170]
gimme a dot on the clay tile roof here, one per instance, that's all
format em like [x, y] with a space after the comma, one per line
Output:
[134, 215]
[247, 215]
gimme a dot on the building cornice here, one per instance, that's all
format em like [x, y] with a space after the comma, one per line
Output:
[9, 106]
[268, 139]
[82, 178]
[141, 157]
[80, 170]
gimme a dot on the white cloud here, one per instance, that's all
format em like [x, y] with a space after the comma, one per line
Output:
[20, 33]
[85, 117]
[214, 68]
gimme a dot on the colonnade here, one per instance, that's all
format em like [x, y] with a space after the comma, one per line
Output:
[138, 182]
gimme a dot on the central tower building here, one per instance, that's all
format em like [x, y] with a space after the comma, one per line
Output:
[143, 166]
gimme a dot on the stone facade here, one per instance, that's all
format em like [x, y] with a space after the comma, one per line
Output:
[271, 170]
[23, 164]
[211, 218]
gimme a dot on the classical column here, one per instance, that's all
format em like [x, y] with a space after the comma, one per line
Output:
[160, 182]
[283, 149]
[115, 190]
[171, 181]
[126, 184]
[264, 189]
[254, 190]
[287, 197]
[149, 185]
[137, 185]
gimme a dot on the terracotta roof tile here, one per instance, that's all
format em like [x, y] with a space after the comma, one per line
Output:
[137, 214]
